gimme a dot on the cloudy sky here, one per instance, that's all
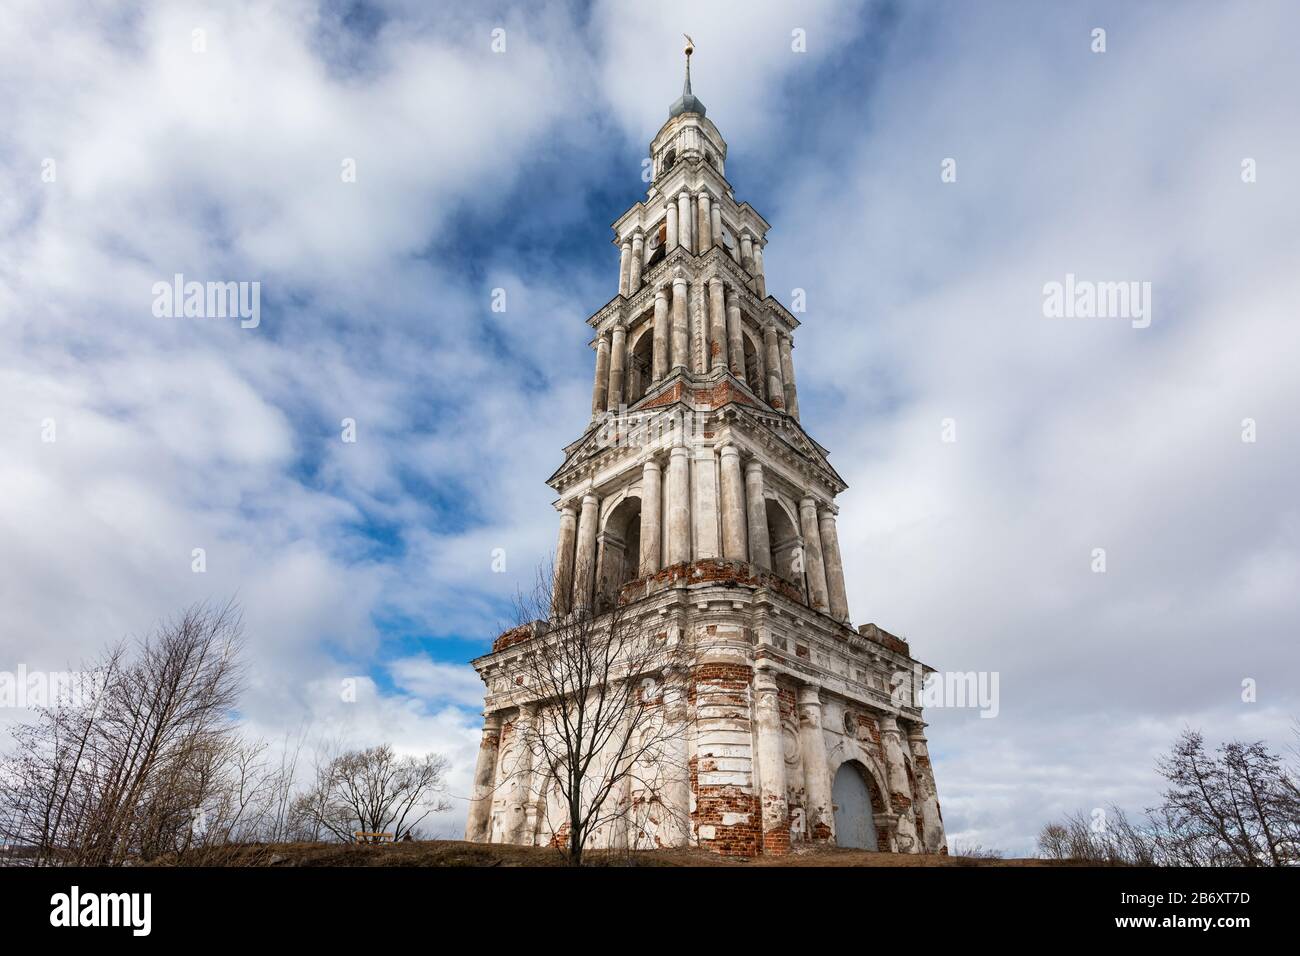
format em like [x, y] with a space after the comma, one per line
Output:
[134, 148]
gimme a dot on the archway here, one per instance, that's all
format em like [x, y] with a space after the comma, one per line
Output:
[785, 541]
[855, 824]
[619, 558]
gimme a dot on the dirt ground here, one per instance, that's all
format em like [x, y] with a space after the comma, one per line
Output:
[458, 853]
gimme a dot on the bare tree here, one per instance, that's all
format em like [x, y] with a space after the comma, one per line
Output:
[1238, 806]
[605, 746]
[125, 771]
[374, 791]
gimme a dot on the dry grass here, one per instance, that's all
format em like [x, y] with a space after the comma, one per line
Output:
[459, 853]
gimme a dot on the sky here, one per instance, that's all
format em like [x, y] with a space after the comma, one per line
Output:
[379, 168]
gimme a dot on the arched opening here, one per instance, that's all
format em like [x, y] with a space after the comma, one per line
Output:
[786, 544]
[640, 367]
[853, 796]
[753, 370]
[619, 557]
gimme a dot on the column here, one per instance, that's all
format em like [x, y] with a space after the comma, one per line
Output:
[659, 360]
[584, 562]
[706, 223]
[670, 217]
[759, 278]
[716, 212]
[704, 482]
[760, 547]
[624, 267]
[617, 362]
[523, 826]
[638, 259]
[900, 790]
[760, 355]
[601, 386]
[735, 336]
[485, 770]
[927, 796]
[775, 812]
[812, 555]
[775, 387]
[684, 221]
[679, 506]
[735, 544]
[681, 344]
[837, 597]
[699, 328]
[562, 592]
[676, 763]
[651, 526]
[787, 376]
[747, 251]
[817, 775]
[717, 325]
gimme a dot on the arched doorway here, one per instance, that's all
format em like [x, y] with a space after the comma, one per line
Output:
[855, 825]
[784, 538]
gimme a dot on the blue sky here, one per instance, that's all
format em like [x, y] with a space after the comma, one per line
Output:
[479, 170]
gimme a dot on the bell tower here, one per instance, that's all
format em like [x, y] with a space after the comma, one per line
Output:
[695, 501]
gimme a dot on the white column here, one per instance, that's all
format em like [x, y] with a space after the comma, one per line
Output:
[706, 223]
[562, 591]
[717, 349]
[681, 343]
[624, 267]
[524, 823]
[617, 363]
[735, 335]
[716, 212]
[676, 768]
[485, 769]
[837, 595]
[670, 213]
[813, 566]
[684, 221]
[584, 564]
[817, 775]
[900, 790]
[735, 546]
[704, 482]
[747, 251]
[758, 269]
[600, 387]
[638, 259]
[760, 547]
[787, 376]
[651, 530]
[659, 360]
[679, 506]
[927, 797]
[774, 810]
[775, 387]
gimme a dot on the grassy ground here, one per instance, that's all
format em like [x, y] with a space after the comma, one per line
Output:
[458, 853]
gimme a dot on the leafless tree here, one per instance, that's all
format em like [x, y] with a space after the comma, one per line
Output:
[1238, 806]
[128, 769]
[605, 745]
[374, 791]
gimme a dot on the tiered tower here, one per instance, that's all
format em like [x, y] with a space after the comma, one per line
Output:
[697, 501]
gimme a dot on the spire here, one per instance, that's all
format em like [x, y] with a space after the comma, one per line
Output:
[689, 102]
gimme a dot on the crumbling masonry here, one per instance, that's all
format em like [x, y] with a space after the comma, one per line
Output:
[697, 500]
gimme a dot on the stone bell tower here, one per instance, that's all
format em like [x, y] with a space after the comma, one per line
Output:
[696, 500]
